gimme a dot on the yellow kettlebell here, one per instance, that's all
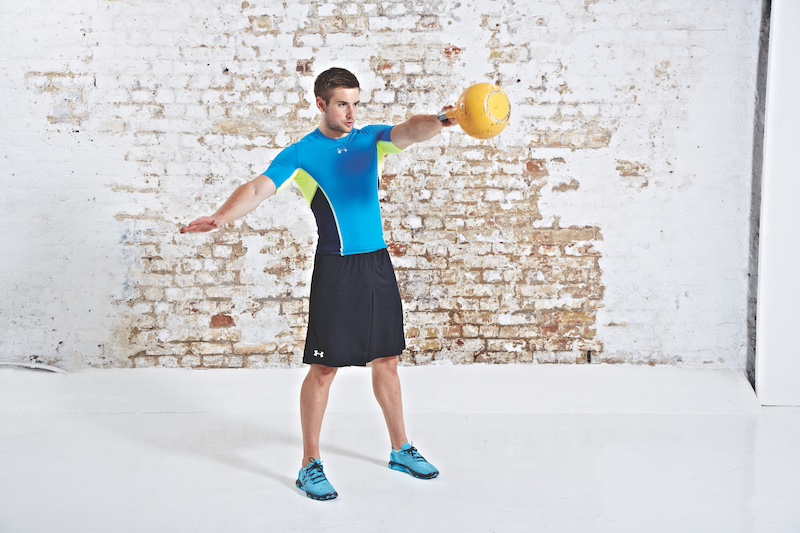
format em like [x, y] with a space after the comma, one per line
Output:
[482, 111]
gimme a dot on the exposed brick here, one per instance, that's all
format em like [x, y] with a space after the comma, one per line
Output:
[221, 321]
[511, 227]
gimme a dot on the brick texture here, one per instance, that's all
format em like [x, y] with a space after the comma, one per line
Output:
[501, 247]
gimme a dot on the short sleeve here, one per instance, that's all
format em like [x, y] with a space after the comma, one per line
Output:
[383, 139]
[283, 167]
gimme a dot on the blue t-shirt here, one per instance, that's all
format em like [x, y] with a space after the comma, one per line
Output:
[339, 180]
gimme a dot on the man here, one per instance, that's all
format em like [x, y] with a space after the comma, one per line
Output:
[355, 311]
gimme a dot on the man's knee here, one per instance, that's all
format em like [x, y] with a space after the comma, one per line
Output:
[323, 375]
[385, 365]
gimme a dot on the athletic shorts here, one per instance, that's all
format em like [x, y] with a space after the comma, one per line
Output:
[355, 312]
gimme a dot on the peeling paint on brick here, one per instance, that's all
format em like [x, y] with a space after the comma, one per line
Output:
[507, 250]
[572, 185]
[633, 173]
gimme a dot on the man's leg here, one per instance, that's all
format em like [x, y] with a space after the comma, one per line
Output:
[386, 385]
[313, 401]
[404, 457]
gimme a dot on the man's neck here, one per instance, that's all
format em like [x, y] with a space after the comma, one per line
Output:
[331, 133]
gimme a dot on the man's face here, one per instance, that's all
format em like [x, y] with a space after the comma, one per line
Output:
[339, 114]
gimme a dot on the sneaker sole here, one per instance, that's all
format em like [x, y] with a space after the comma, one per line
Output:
[324, 497]
[407, 470]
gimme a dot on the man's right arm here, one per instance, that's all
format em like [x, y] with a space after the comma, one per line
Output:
[243, 200]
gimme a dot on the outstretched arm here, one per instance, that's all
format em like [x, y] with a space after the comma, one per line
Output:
[243, 200]
[418, 128]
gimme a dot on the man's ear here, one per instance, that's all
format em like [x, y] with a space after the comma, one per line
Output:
[321, 104]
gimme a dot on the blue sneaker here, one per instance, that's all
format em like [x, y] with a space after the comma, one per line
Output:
[313, 482]
[409, 460]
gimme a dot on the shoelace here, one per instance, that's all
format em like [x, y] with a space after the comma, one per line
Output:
[314, 472]
[414, 454]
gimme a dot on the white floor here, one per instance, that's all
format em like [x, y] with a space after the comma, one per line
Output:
[521, 448]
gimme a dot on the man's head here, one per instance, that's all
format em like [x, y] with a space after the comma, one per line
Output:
[338, 95]
[334, 78]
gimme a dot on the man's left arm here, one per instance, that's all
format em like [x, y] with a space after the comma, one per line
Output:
[418, 128]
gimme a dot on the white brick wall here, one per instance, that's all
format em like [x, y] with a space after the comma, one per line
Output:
[611, 216]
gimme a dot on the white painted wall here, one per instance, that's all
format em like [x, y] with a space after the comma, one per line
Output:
[674, 82]
[777, 361]
[675, 241]
[62, 266]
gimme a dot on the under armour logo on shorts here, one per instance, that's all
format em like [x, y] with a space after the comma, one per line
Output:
[317, 353]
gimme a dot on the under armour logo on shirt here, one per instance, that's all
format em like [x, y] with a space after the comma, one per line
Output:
[340, 150]
[317, 353]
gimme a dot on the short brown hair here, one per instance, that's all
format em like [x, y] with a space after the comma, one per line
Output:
[334, 78]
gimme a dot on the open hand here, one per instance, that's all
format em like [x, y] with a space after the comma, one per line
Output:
[201, 224]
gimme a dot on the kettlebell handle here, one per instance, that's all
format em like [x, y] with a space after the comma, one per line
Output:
[445, 115]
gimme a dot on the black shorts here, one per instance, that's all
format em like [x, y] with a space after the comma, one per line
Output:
[355, 312]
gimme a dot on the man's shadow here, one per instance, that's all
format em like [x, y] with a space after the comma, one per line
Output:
[185, 428]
